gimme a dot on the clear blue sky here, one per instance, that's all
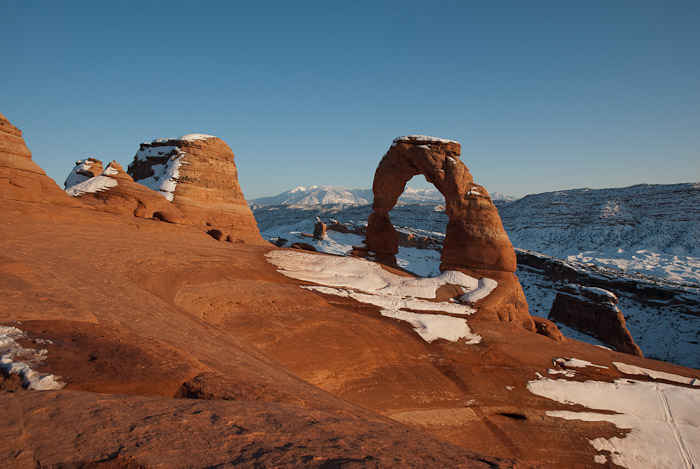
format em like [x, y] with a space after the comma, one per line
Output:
[543, 95]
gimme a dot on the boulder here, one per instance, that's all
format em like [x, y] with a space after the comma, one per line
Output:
[594, 311]
[114, 191]
[20, 178]
[198, 174]
[475, 241]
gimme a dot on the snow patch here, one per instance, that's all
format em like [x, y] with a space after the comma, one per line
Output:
[110, 171]
[422, 138]
[192, 137]
[436, 326]
[157, 152]
[575, 363]
[663, 418]
[75, 177]
[165, 176]
[10, 351]
[96, 184]
[653, 374]
[484, 288]
[368, 283]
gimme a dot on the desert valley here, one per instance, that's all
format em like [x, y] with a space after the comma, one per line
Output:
[150, 318]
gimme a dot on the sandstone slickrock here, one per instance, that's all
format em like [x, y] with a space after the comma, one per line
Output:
[114, 191]
[475, 241]
[594, 311]
[20, 178]
[198, 174]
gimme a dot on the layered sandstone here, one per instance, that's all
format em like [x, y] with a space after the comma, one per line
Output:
[114, 191]
[594, 311]
[475, 241]
[198, 174]
[20, 178]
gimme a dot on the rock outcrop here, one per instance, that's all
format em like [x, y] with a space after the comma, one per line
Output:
[20, 178]
[198, 174]
[475, 241]
[114, 191]
[594, 311]
[83, 170]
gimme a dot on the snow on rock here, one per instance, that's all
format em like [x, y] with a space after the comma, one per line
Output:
[484, 288]
[653, 374]
[663, 419]
[436, 326]
[575, 363]
[96, 184]
[192, 137]
[82, 171]
[367, 282]
[369, 277]
[16, 359]
[156, 151]
[166, 175]
[423, 138]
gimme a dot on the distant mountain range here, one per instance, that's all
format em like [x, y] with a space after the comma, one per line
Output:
[333, 195]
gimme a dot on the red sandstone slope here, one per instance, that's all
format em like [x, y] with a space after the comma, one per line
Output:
[139, 311]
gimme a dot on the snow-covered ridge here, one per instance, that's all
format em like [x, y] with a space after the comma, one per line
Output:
[17, 359]
[652, 229]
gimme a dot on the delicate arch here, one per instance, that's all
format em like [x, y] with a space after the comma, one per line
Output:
[474, 238]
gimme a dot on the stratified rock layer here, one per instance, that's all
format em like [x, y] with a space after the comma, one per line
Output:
[594, 311]
[475, 241]
[118, 193]
[197, 173]
[20, 178]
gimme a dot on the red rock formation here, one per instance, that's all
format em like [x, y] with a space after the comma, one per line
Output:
[20, 178]
[547, 328]
[319, 230]
[594, 311]
[114, 191]
[197, 173]
[475, 241]
[83, 170]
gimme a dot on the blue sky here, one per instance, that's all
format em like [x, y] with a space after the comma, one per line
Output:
[543, 95]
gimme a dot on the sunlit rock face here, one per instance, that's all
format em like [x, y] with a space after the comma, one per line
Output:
[475, 241]
[197, 173]
[112, 190]
[22, 179]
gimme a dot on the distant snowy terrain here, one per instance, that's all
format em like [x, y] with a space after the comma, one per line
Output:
[647, 233]
[650, 229]
[332, 195]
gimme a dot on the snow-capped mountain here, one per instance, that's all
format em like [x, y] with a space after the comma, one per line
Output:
[333, 195]
[318, 195]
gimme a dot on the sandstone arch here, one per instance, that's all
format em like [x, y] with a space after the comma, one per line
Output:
[475, 241]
